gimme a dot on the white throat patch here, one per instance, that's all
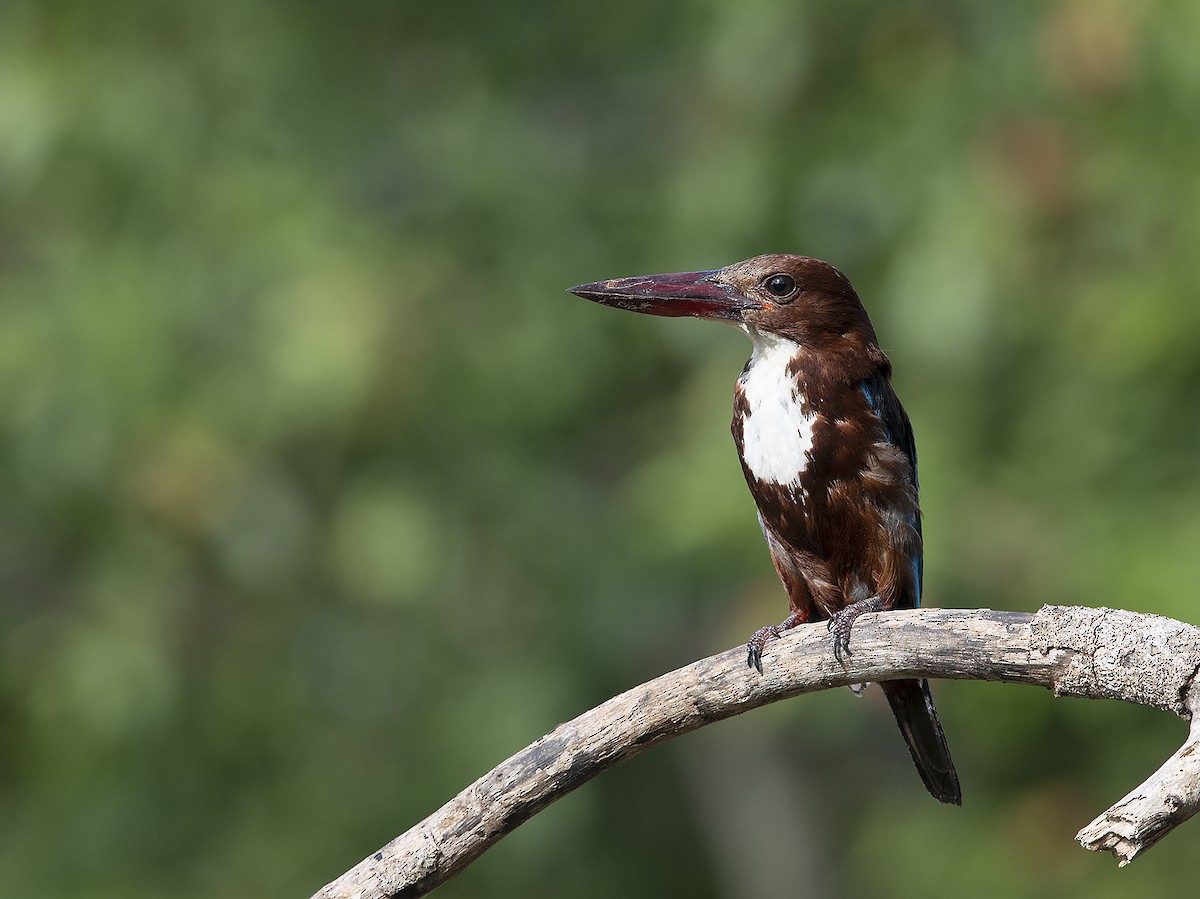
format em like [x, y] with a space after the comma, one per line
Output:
[777, 434]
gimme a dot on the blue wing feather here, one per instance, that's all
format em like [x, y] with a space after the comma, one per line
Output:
[898, 431]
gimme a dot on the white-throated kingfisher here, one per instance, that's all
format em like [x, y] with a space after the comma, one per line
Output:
[827, 451]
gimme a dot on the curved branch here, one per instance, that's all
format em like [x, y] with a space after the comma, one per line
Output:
[1074, 651]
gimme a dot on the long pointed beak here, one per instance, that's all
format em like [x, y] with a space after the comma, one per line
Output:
[681, 293]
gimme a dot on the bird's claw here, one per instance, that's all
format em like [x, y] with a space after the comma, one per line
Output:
[840, 625]
[842, 621]
[754, 646]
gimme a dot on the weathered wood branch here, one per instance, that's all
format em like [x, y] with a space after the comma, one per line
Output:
[1083, 652]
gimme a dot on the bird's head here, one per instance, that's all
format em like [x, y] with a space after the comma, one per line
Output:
[797, 297]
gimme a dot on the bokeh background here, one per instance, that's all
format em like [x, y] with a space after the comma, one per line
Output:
[321, 496]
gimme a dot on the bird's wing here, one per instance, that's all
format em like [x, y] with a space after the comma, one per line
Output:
[898, 431]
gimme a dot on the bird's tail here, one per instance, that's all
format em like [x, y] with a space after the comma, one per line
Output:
[913, 707]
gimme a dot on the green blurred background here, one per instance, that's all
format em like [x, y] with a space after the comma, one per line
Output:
[321, 497]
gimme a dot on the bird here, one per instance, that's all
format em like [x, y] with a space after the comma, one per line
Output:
[828, 454]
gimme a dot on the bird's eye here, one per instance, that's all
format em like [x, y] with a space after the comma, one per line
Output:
[779, 285]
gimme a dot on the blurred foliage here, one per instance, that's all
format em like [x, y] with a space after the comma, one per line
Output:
[321, 496]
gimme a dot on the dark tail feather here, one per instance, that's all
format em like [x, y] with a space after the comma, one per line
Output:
[918, 720]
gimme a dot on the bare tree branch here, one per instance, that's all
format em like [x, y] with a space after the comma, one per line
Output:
[1168, 798]
[1083, 652]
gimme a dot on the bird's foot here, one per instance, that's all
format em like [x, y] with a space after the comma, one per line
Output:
[754, 646]
[843, 620]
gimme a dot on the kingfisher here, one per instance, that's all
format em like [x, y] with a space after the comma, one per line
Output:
[828, 453]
